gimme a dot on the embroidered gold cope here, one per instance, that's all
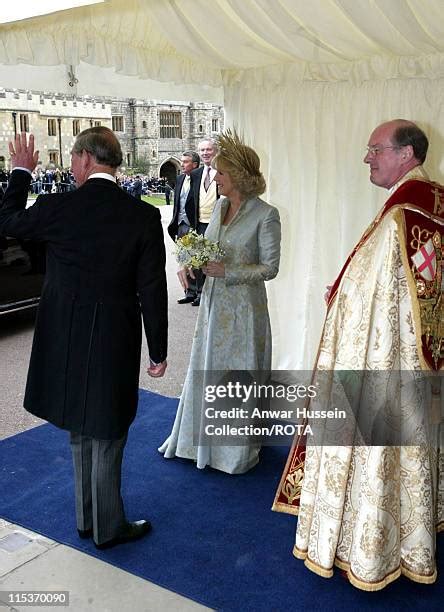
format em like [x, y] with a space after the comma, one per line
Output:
[374, 510]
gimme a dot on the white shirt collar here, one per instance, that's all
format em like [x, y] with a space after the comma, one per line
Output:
[104, 175]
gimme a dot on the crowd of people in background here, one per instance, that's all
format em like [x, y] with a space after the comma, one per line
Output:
[141, 184]
[4, 178]
[56, 180]
[45, 180]
[52, 180]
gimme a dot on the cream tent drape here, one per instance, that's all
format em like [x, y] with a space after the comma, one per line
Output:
[306, 82]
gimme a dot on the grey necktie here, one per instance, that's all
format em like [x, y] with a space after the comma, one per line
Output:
[207, 179]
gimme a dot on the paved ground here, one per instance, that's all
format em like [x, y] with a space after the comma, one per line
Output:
[30, 562]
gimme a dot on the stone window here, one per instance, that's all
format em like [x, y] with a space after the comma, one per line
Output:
[54, 157]
[24, 123]
[75, 127]
[117, 123]
[52, 127]
[97, 123]
[214, 125]
[144, 125]
[170, 124]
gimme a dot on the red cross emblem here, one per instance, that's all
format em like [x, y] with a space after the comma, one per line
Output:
[425, 261]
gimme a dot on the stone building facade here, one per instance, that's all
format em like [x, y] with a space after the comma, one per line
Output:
[153, 134]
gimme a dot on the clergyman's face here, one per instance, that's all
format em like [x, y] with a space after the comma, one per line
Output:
[187, 164]
[207, 152]
[384, 158]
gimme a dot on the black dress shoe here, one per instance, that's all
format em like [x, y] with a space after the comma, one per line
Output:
[187, 299]
[85, 533]
[131, 531]
[196, 302]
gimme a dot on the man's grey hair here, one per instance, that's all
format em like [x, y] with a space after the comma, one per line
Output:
[101, 143]
[211, 140]
[193, 155]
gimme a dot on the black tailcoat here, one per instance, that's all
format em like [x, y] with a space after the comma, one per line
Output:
[105, 266]
[190, 207]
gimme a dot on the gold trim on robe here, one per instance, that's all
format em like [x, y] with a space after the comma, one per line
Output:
[374, 511]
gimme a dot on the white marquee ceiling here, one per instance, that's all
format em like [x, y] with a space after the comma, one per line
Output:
[200, 42]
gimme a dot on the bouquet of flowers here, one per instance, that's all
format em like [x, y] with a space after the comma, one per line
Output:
[194, 250]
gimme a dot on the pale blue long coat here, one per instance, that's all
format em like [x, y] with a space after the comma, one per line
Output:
[233, 327]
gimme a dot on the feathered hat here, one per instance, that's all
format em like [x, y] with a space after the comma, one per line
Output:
[237, 153]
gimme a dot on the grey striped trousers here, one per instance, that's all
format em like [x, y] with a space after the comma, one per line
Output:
[97, 478]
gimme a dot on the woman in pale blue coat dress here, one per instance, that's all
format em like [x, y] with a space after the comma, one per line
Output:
[233, 327]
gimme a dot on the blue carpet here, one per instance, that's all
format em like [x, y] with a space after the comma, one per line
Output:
[214, 540]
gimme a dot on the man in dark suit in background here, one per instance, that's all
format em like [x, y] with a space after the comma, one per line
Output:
[184, 211]
[205, 195]
[105, 267]
[168, 191]
[137, 188]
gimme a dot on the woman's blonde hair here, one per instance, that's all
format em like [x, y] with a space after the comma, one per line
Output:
[241, 162]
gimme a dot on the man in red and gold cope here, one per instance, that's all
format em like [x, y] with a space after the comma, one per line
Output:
[368, 504]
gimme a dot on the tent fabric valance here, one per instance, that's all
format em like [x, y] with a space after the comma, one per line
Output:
[256, 41]
[374, 69]
[125, 39]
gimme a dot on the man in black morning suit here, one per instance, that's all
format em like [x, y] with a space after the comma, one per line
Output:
[185, 212]
[137, 188]
[105, 271]
[205, 194]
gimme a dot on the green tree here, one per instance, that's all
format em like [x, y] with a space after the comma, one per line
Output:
[141, 166]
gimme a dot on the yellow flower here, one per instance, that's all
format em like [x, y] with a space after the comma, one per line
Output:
[185, 240]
